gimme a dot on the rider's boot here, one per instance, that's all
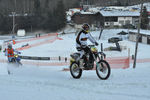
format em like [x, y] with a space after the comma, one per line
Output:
[81, 63]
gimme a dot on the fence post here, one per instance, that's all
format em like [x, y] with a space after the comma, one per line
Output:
[129, 56]
[129, 52]
[59, 58]
[0, 48]
[65, 59]
[102, 50]
[36, 35]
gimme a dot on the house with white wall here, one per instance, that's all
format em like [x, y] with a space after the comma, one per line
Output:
[120, 18]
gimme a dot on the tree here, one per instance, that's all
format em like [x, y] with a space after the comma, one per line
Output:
[37, 15]
[60, 15]
[118, 3]
[127, 3]
[144, 19]
[37, 7]
[41, 14]
[5, 24]
[56, 19]
[46, 7]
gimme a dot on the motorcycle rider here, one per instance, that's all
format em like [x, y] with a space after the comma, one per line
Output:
[81, 43]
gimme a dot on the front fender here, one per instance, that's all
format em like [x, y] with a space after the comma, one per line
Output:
[102, 54]
[72, 60]
[18, 59]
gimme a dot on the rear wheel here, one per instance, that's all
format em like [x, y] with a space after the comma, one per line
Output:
[103, 70]
[13, 60]
[75, 70]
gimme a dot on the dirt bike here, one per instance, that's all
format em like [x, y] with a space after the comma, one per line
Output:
[103, 69]
[16, 59]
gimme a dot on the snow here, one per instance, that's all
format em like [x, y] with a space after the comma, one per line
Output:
[31, 82]
[119, 13]
[3, 69]
[147, 5]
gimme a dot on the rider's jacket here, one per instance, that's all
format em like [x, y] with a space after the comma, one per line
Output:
[82, 37]
[10, 52]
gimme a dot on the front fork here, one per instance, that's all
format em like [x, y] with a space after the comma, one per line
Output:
[95, 58]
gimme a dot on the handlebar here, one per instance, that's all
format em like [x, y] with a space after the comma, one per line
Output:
[91, 45]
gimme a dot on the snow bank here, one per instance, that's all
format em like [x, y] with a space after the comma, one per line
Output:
[3, 69]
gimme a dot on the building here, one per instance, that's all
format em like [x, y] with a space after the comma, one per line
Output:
[120, 18]
[149, 19]
[93, 19]
[144, 36]
[106, 18]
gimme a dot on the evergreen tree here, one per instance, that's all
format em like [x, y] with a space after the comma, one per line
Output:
[37, 7]
[37, 18]
[60, 16]
[5, 24]
[51, 22]
[61, 13]
[76, 5]
[47, 4]
[127, 3]
[118, 3]
[45, 15]
[144, 20]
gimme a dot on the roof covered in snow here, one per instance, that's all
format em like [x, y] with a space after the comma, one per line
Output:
[146, 32]
[82, 12]
[120, 13]
[147, 5]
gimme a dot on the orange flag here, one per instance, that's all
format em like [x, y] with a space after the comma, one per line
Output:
[14, 42]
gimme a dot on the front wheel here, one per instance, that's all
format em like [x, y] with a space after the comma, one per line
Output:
[75, 70]
[103, 70]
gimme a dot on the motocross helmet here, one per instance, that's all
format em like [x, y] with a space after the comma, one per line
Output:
[86, 27]
[9, 46]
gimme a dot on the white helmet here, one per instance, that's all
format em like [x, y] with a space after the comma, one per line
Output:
[10, 46]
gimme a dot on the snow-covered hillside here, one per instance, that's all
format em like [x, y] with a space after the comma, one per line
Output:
[31, 82]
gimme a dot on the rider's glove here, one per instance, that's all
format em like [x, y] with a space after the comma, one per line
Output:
[96, 44]
[19, 52]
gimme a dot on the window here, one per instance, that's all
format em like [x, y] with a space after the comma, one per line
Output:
[127, 22]
[111, 19]
[121, 22]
